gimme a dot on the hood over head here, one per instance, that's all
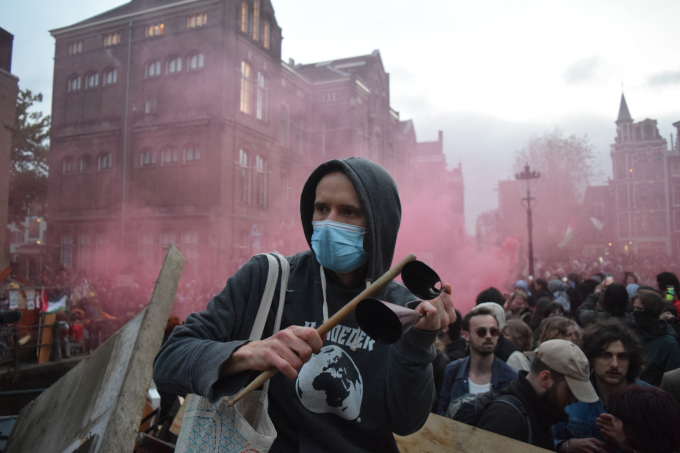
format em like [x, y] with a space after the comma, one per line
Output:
[379, 199]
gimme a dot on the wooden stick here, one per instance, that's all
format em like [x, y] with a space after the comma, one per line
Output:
[333, 321]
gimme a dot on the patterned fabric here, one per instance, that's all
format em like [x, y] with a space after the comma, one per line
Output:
[209, 430]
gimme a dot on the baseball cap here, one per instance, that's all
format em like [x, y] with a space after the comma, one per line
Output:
[566, 358]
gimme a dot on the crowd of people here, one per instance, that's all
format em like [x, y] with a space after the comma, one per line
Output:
[568, 364]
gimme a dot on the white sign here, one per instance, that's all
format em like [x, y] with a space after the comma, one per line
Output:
[13, 300]
[30, 299]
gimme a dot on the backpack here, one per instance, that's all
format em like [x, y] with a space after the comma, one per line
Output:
[471, 410]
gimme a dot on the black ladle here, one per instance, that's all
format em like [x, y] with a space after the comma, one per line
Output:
[386, 322]
[421, 280]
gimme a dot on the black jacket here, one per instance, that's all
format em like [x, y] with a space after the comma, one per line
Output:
[500, 418]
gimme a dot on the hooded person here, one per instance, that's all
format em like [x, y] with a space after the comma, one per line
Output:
[345, 392]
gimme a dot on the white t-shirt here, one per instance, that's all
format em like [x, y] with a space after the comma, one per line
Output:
[474, 388]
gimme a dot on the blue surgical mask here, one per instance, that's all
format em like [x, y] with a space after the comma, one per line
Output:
[339, 246]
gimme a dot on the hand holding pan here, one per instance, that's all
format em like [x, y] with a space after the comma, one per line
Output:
[386, 322]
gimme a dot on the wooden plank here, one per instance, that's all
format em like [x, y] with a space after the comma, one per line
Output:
[45, 338]
[443, 435]
[105, 394]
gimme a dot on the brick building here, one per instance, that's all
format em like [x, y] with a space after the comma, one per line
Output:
[642, 188]
[9, 88]
[177, 122]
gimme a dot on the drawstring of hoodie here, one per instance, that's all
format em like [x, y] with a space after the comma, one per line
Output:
[355, 343]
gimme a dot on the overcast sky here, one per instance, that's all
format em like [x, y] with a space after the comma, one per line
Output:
[490, 74]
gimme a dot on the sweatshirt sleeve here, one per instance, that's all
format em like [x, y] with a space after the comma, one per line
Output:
[191, 359]
[410, 384]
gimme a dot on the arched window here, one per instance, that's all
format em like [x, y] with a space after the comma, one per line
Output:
[190, 249]
[261, 102]
[245, 87]
[169, 155]
[147, 158]
[85, 163]
[244, 16]
[244, 170]
[256, 20]
[174, 65]
[153, 69]
[192, 153]
[67, 165]
[195, 61]
[261, 181]
[74, 83]
[266, 34]
[104, 161]
[284, 127]
[92, 80]
[110, 76]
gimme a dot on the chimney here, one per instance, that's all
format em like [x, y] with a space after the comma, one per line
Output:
[291, 62]
[441, 136]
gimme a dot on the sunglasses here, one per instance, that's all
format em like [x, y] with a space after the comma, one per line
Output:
[481, 332]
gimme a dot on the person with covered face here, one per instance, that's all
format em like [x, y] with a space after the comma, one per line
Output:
[661, 346]
[344, 392]
[559, 376]
[616, 359]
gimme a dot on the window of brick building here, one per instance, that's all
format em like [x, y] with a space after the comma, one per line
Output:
[676, 220]
[245, 87]
[244, 172]
[197, 20]
[244, 16]
[195, 61]
[84, 251]
[74, 83]
[675, 169]
[150, 107]
[256, 20]
[261, 181]
[284, 127]
[147, 158]
[92, 80]
[67, 250]
[192, 153]
[190, 249]
[266, 33]
[85, 163]
[169, 155]
[261, 98]
[153, 69]
[110, 76]
[67, 165]
[154, 30]
[174, 65]
[111, 39]
[104, 161]
[75, 47]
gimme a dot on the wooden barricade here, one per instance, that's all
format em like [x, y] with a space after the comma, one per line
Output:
[443, 435]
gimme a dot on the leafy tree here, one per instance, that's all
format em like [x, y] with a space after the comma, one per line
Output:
[29, 168]
[568, 163]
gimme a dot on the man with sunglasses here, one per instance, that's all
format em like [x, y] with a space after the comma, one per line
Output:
[481, 371]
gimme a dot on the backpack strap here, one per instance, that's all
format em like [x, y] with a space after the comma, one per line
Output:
[512, 400]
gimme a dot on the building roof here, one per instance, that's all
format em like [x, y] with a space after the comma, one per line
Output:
[624, 114]
[332, 70]
[131, 8]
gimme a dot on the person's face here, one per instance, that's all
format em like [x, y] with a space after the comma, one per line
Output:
[337, 200]
[611, 365]
[482, 325]
[518, 304]
[571, 334]
[638, 306]
[559, 396]
[630, 279]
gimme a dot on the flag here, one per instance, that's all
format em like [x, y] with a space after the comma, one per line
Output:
[596, 223]
[568, 235]
[53, 307]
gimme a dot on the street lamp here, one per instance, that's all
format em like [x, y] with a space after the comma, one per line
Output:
[528, 204]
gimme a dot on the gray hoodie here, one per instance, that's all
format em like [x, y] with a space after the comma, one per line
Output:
[352, 395]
